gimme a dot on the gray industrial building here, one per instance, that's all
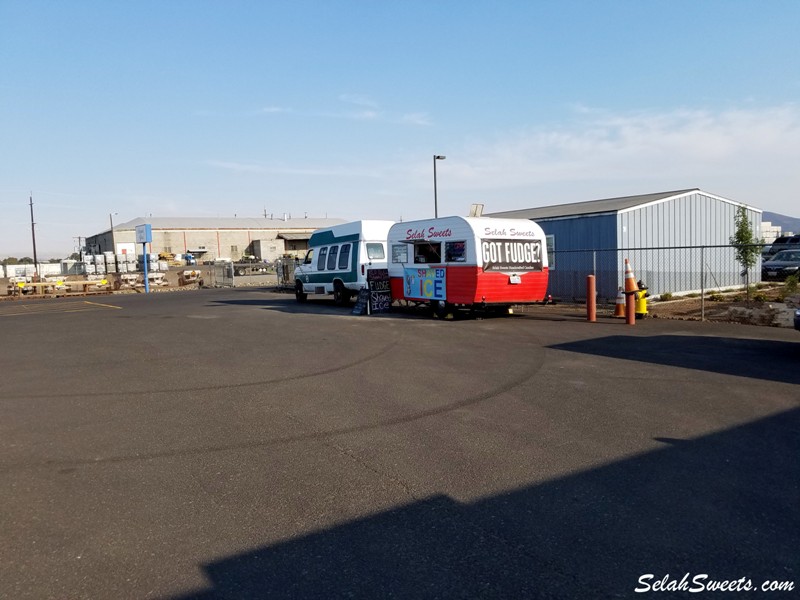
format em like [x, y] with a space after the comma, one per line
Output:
[210, 239]
[676, 241]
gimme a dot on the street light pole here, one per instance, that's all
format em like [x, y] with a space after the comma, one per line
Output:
[435, 192]
[111, 222]
[33, 235]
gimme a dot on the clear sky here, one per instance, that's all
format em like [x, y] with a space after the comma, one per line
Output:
[336, 107]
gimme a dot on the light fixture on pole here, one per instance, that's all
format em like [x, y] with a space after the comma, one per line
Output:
[435, 193]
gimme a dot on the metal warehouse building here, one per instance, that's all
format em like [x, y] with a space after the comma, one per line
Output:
[676, 241]
[209, 239]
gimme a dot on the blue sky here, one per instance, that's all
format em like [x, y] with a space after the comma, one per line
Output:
[335, 108]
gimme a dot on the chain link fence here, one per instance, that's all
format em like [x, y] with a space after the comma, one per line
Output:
[221, 275]
[673, 270]
[284, 269]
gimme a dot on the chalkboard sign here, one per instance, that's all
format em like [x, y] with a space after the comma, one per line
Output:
[380, 292]
[362, 300]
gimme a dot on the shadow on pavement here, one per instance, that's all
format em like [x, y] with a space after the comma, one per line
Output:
[761, 359]
[724, 505]
[326, 306]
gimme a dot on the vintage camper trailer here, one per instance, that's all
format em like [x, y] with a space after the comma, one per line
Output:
[338, 258]
[468, 262]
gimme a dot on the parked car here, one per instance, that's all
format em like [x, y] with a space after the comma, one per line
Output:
[784, 242]
[797, 319]
[784, 264]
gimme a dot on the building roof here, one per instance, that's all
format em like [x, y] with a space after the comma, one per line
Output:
[606, 205]
[214, 223]
[294, 237]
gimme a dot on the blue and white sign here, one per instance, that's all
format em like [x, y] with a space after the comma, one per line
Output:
[144, 234]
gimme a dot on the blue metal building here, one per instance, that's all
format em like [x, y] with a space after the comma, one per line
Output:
[676, 242]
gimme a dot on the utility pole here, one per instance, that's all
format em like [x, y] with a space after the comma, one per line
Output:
[33, 235]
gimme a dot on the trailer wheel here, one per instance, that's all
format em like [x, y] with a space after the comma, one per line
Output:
[442, 309]
[341, 296]
[299, 294]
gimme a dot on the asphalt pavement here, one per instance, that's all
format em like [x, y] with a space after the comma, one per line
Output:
[232, 443]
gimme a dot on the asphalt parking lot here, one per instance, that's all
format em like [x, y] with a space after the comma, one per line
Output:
[234, 444]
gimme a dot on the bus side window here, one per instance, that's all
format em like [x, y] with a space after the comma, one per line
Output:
[323, 253]
[344, 257]
[333, 254]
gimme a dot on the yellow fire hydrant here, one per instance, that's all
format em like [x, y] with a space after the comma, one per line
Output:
[641, 300]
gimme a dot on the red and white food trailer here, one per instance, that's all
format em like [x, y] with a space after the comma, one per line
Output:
[468, 262]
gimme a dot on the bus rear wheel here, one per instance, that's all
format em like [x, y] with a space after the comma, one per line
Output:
[341, 296]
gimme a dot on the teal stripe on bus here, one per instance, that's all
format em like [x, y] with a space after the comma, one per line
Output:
[324, 238]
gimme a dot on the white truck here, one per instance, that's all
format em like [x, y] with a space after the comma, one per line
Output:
[338, 259]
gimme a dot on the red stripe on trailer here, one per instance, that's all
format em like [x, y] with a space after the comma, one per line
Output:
[472, 285]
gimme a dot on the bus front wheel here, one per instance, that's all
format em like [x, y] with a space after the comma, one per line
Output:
[299, 294]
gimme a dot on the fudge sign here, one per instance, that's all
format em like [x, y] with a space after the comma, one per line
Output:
[380, 293]
[511, 255]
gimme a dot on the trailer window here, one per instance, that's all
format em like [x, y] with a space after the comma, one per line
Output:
[399, 253]
[323, 254]
[375, 251]
[427, 253]
[455, 252]
[332, 256]
[344, 257]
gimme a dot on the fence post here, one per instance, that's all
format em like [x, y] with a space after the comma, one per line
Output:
[702, 283]
[591, 299]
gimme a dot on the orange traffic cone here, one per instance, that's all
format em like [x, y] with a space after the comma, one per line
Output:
[630, 280]
[619, 308]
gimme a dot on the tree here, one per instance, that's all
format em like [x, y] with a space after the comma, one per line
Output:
[745, 244]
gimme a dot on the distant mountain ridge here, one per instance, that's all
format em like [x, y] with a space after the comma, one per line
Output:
[786, 223]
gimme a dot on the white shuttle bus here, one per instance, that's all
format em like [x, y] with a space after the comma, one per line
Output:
[338, 258]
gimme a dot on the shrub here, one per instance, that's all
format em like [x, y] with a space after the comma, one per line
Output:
[789, 287]
[760, 297]
[665, 296]
[716, 297]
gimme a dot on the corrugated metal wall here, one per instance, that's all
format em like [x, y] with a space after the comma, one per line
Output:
[581, 233]
[693, 220]
[568, 270]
